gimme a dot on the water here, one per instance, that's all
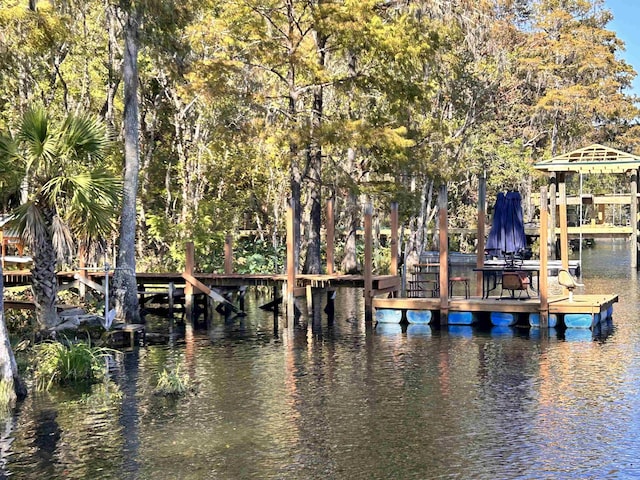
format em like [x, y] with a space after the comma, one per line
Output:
[348, 401]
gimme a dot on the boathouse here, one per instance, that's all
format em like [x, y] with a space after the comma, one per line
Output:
[594, 159]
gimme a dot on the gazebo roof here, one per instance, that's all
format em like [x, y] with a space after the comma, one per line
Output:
[595, 158]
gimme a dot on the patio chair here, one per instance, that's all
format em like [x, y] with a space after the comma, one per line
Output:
[566, 280]
[515, 281]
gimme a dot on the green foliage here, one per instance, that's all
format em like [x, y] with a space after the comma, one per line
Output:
[381, 260]
[60, 363]
[172, 382]
[259, 256]
[7, 398]
[413, 93]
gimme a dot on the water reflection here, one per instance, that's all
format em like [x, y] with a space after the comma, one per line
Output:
[335, 397]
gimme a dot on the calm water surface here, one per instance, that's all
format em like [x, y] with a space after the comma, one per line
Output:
[350, 401]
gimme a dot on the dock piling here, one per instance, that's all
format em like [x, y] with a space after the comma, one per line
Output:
[368, 264]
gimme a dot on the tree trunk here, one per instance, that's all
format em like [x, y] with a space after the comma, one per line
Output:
[43, 278]
[125, 284]
[7, 359]
[313, 263]
[108, 109]
[349, 262]
[295, 180]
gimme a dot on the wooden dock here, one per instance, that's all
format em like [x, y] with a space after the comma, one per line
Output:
[153, 284]
[381, 283]
[593, 305]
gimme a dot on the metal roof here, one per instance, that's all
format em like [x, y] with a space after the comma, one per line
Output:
[595, 158]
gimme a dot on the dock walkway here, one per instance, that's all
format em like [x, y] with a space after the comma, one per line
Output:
[596, 306]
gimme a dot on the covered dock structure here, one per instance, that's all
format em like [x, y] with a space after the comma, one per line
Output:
[593, 159]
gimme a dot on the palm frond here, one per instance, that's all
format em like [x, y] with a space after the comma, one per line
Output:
[28, 220]
[62, 239]
[90, 201]
[11, 168]
[84, 137]
[40, 143]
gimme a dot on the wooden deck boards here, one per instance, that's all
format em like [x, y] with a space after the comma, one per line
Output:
[557, 305]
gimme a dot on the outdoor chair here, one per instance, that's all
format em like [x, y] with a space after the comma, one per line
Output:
[464, 281]
[566, 280]
[515, 281]
[424, 281]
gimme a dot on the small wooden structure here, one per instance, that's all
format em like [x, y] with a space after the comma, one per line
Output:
[597, 159]
[9, 238]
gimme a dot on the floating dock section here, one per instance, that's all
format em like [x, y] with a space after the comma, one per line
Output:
[584, 311]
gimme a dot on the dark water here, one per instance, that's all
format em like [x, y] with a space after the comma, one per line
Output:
[348, 401]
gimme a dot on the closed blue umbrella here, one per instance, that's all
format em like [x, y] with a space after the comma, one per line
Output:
[507, 229]
[496, 234]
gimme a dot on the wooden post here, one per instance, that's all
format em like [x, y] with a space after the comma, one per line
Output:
[82, 264]
[228, 254]
[553, 191]
[634, 219]
[564, 233]
[393, 270]
[3, 248]
[188, 269]
[330, 237]
[543, 276]
[444, 254]
[241, 295]
[171, 292]
[368, 264]
[482, 208]
[291, 267]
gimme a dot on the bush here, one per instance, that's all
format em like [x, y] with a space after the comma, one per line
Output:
[56, 362]
[172, 383]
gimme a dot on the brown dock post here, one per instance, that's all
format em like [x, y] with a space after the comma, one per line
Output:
[564, 232]
[291, 267]
[368, 264]
[634, 219]
[241, 295]
[482, 209]
[308, 291]
[543, 275]
[444, 254]
[393, 270]
[171, 292]
[330, 308]
[188, 269]
[330, 237]
[553, 211]
[82, 263]
[228, 254]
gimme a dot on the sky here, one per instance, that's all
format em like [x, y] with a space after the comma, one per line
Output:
[626, 14]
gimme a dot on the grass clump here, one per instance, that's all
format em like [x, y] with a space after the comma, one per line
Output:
[7, 398]
[172, 383]
[60, 363]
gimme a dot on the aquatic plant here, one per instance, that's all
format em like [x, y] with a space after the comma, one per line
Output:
[7, 398]
[56, 362]
[172, 383]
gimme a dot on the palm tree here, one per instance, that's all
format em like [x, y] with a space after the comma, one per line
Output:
[69, 195]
